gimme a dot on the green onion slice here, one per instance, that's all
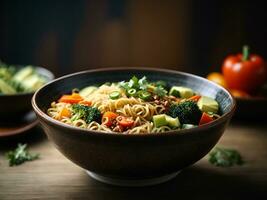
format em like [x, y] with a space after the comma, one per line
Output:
[144, 95]
[131, 92]
[114, 95]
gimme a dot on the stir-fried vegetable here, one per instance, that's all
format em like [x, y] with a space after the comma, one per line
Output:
[64, 113]
[131, 92]
[114, 95]
[73, 98]
[205, 118]
[143, 89]
[188, 112]
[195, 98]
[109, 118]
[125, 122]
[144, 95]
[86, 113]
[136, 106]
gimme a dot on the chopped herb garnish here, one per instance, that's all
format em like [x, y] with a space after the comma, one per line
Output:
[160, 91]
[161, 83]
[136, 85]
[144, 95]
[143, 83]
[20, 155]
[225, 157]
[133, 83]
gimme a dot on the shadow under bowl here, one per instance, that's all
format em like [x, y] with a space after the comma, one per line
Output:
[132, 157]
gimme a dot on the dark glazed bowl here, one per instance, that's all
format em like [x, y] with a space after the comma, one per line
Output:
[15, 105]
[132, 159]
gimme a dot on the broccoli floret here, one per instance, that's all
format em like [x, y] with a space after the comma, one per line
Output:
[86, 113]
[188, 112]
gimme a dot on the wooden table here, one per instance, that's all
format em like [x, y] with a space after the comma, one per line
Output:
[55, 177]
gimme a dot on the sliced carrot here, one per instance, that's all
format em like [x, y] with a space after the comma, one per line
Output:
[73, 98]
[86, 103]
[205, 118]
[195, 98]
[63, 113]
[108, 118]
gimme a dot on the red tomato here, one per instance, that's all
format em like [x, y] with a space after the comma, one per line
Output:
[194, 98]
[205, 118]
[244, 72]
[108, 118]
[125, 122]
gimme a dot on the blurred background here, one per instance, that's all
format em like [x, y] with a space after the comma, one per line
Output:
[69, 36]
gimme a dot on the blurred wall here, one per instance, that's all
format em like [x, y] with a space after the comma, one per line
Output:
[187, 35]
[144, 33]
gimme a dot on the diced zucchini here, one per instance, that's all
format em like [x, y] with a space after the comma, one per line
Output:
[188, 126]
[160, 120]
[33, 82]
[85, 92]
[174, 92]
[22, 74]
[172, 122]
[6, 88]
[207, 104]
[182, 92]
[165, 120]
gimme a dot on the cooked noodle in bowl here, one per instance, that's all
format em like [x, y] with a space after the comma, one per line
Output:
[134, 107]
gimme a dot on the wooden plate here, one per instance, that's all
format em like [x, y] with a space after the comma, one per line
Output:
[9, 128]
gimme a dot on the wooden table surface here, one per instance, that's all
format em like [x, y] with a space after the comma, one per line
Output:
[55, 177]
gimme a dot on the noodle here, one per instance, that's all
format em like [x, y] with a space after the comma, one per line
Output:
[139, 111]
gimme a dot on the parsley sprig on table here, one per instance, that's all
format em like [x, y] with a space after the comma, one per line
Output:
[20, 155]
[225, 157]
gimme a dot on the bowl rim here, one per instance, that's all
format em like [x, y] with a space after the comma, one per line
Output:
[177, 132]
[49, 74]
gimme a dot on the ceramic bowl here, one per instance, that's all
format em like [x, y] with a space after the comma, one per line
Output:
[132, 159]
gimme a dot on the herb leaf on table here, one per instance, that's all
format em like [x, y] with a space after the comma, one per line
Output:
[20, 155]
[224, 157]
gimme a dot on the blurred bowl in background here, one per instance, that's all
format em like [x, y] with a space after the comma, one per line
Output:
[15, 106]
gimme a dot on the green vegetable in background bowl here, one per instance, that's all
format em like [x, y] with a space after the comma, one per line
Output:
[17, 85]
[20, 80]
